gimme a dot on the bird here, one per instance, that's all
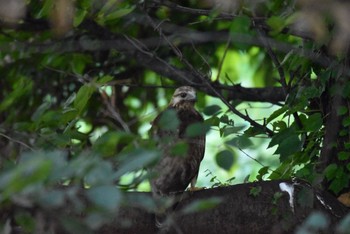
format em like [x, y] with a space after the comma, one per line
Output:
[173, 173]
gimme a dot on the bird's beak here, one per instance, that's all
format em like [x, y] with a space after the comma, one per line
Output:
[193, 98]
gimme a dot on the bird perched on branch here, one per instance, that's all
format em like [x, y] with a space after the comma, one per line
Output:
[179, 131]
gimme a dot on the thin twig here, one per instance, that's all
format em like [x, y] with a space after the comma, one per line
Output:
[221, 63]
[17, 141]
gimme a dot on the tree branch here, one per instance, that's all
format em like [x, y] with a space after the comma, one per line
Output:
[265, 212]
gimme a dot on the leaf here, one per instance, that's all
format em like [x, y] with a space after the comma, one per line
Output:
[211, 110]
[100, 174]
[226, 131]
[104, 79]
[225, 159]
[331, 171]
[276, 23]
[316, 221]
[342, 110]
[202, 205]
[197, 129]
[79, 16]
[106, 197]
[340, 182]
[346, 122]
[26, 221]
[169, 120]
[255, 191]
[279, 137]
[225, 119]
[344, 225]
[276, 113]
[83, 97]
[241, 142]
[263, 171]
[343, 155]
[212, 121]
[288, 146]
[135, 160]
[313, 123]
[305, 197]
[51, 199]
[118, 14]
[108, 143]
[179, 149]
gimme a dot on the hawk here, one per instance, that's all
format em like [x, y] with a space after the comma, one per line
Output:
[173, 173]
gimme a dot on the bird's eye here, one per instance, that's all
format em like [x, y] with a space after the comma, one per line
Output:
[183, 95]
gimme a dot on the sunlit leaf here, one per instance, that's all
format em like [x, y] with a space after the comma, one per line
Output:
[83, 97]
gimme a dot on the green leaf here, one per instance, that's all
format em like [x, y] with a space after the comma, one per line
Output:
[118, 14]
[26, 221]
[331, 171]
[100, 174]
[226, 120]
[263, 171]
[276, 23]
[305, 197]
[202, 205]
[344, 225]
[83, 97]
[313, 123]
[179, 149]
[197, 129]
[107, 144]
[276, 197]
[169, 120]
[276, 113]
[212, 110]
[342, 110]
[316, 221]
[104, 79]
[288, 146]
[32, 171]
[255, 191]
[225, 159]
[51, 199]
[79, 16]
[213, 121]
[346, 122]
[106, 197]
[343, 155]
[136, 159]
[241, 142]
[226, 131]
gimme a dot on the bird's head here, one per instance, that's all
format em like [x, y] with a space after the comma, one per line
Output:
[183, 96]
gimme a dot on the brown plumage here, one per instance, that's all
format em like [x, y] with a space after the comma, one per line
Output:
[173, 173]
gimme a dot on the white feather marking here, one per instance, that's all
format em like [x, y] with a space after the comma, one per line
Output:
[289, 188]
